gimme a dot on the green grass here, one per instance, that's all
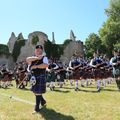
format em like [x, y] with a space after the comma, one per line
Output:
[62, 104]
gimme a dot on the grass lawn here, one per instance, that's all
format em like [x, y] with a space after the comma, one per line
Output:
[62, 104]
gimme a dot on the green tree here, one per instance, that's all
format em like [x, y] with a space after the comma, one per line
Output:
[66, 42]
[114, 10]
[48, 48]
[93, 44]
[110, 31]
[117, 46]
[4, 49]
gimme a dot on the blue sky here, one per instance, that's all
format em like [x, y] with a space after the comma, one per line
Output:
[58, 16]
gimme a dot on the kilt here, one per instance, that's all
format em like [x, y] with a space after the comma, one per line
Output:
[76, 74]
[97, 74]
[40, 86]
[102, 73]
[83, 74]
[51, 76]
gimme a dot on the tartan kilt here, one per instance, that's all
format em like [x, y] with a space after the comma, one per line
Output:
[83, 74]
[76, 75]
[97, 74]
[51, 77]
[102, 74]
[40, 86]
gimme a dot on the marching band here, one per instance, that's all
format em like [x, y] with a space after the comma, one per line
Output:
[98, 69]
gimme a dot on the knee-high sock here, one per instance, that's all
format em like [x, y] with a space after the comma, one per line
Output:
[104, 82]
[87, 81]
[82, 82]
[51, 84]
[71, 82]
[98, 84]
[42, 99]
[76, 84]
[38, 99]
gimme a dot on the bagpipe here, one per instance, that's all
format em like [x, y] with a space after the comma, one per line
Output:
[34, 60]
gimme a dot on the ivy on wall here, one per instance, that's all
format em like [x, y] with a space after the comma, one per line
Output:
[4, 50]
[53, 50]
[35, 39]
[17, 47]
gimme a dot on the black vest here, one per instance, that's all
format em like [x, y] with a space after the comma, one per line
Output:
[115, 60]
[75, 63]
[51, 66]
[96, 61]
[38, 71]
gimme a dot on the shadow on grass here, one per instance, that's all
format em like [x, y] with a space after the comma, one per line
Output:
[67, 88]
[5, 88]
[57, 90]
[111, 90]
[102, 89]
[50, 114]
[92, 91]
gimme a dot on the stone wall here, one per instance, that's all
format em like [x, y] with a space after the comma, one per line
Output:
[11, 42]
[71, 48]
[28, 49]
[42, 37]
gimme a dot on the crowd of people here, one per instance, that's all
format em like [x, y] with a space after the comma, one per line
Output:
[38, 70]
[99, 68]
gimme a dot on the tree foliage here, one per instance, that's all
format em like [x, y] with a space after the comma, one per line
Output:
[35, 39]
[114, 10]
[66, 42]
[53, 50]
[93, 44]
[17, 48]
[4, 50]
[110, 31]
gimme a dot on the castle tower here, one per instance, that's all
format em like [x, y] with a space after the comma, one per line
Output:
[53, 38]
[11, 42]
[20, 37]
[72, 36]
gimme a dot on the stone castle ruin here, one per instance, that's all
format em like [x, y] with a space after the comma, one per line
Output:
[28, 48]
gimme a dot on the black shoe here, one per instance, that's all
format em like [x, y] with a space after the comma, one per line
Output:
[61, 85]
[76, 89]
[99, 90]
[82, 86]
[51, 89]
